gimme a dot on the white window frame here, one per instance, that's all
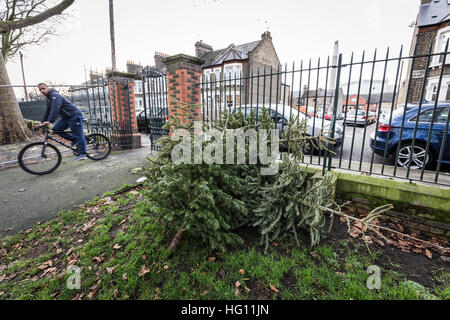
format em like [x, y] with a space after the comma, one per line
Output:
[207, 78]
[433, 83]
[441, 40]
[218, 74]
[236, 73]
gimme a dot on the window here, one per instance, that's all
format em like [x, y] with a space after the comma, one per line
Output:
[217, 76]
[207, 78]
[434, 93]
[441, 40]
[228, 72]
[432, 89]
[425, 116]
[443, 116]
[232, 72]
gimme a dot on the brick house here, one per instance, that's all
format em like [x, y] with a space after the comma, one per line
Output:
[433, 26]
[386, 101]
[318, 98]
[228, 73]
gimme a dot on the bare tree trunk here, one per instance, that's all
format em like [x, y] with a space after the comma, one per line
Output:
[12, 125]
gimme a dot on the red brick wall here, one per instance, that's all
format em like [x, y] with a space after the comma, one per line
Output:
[123, 108]
[184, 76]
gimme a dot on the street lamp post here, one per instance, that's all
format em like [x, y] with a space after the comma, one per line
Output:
[111, 24]
[23, 76]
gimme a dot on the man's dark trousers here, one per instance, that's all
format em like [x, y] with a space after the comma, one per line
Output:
[76, 127]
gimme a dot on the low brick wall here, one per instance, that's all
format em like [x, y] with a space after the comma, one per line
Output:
[413, 219]
[421, 208]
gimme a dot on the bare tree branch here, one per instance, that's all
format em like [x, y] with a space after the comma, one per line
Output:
[6, 26]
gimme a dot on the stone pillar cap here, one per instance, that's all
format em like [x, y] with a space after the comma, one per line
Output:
[182, 57]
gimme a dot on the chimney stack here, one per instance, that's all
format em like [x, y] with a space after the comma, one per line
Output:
[202, 48]
[266, 35]
[160, 66]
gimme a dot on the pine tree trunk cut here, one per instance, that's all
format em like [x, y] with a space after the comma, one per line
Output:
[176, 240]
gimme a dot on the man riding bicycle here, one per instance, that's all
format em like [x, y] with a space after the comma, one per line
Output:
[71, 118]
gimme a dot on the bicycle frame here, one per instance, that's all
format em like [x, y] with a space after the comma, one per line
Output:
[49, 137]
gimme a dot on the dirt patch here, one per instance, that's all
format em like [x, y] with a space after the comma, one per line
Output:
[416, 266]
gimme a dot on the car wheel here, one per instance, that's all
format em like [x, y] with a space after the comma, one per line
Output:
[418, 156]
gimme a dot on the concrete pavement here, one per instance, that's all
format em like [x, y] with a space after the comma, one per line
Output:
[26, 199]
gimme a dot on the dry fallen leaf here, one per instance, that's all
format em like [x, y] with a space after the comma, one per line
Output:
[110, 270]
[237, 284]
[367, 239]
[72, 262]
[124, 277]
[354, 234]
[92, 293]
[143, 271]
[378, 241]
[212, 259]
[403, 243]
[273, 288]
[116, 292]
[45, 265]
[428, 254]
[98, 259]
[117, 247]
[50, 270]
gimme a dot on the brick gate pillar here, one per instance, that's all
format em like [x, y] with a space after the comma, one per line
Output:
[184, 75]
[125, 133]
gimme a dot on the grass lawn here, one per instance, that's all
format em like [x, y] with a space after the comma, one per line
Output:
[121, 250]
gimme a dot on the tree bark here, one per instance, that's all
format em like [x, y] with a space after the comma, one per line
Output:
[174, 244]
[12, 125]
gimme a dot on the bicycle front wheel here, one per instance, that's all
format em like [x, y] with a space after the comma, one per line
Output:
[40, 158]
[98, 146]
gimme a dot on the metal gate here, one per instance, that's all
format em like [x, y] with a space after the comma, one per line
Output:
[156, 104]
[98, 100]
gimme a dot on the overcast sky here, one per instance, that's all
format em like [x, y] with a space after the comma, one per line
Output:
[300, 30]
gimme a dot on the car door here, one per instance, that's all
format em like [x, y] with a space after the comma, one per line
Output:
[279, 120]
[440, 128]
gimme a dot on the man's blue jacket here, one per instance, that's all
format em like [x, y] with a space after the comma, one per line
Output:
[58, 105]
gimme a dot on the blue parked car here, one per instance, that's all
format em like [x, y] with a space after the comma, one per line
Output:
[392, 135]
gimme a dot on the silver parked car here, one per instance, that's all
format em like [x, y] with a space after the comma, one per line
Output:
[282, 116]
[360, 118]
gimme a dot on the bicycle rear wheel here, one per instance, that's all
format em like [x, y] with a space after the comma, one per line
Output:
[98, 146]
[39, 158]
